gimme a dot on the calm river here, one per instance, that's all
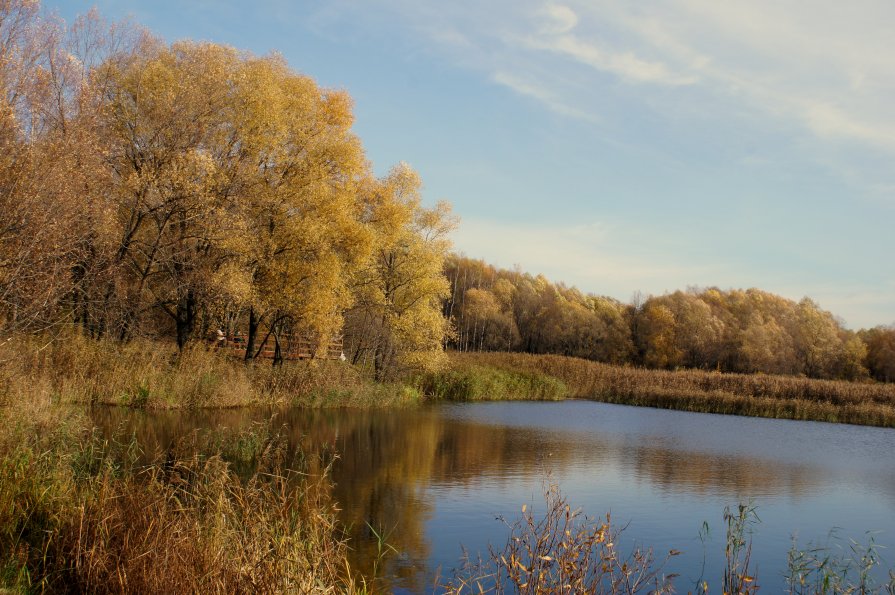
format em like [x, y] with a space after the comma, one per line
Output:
[434, 480]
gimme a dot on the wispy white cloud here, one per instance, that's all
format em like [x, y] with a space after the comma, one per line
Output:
[830, 69]
[626, 64]
[825, 71]
[535, 90]
[830, 121]
[560, 18]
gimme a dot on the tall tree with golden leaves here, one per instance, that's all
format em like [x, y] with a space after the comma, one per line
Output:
[302, 236]
[398, 318]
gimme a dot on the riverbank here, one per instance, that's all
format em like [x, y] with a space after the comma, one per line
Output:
[150, 374]
[756, 395]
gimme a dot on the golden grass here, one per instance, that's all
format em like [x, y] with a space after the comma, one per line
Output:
[712, 392]
[78, 514]
[153, 375]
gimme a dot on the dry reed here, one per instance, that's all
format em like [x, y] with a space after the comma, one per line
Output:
[79, 514]
[563, 551]
[712, 392]
[154, 375]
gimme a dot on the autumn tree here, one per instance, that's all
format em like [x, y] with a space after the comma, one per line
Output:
[301, 238]
[51, 174]
[29, 277]
[654, 334]
[816, 338]
[234, 187]
[614, 343]
[880, 345]
[488, 326]
[166, 113]
[398, 317]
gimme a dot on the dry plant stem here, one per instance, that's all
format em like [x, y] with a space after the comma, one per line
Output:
[78, 514]
[562, 552]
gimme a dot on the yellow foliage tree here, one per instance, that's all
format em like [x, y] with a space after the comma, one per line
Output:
[398, 317]
[302, 238]
[235, 183]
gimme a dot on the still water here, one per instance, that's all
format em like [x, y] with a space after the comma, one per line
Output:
[434, 480]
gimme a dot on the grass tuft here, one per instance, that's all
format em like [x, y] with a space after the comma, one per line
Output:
[563, 551]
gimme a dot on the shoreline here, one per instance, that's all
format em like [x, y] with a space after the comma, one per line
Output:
[151, 375]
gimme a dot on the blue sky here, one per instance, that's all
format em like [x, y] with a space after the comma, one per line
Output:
[616, 146]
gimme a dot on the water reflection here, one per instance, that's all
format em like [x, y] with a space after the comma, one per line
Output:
[425, 478]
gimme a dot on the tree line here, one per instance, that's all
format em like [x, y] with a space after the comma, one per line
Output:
[166, 190]
[747, 331]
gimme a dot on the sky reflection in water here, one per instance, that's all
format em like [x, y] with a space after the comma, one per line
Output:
[437, 478]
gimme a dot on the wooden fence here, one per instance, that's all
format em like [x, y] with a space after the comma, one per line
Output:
[292, 347]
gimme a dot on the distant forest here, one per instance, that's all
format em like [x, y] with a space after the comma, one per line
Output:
[169, 190]
[747, 331]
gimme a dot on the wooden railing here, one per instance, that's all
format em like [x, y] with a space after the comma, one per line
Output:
[292, 347]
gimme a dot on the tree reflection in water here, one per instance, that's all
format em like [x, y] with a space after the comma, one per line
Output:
[389, 461]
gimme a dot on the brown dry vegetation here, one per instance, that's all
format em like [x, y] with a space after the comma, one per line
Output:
[563, 551]
[79, 514]
[757, 395]
[154, 375]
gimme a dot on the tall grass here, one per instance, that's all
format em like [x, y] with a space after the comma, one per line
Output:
[696, 390]
[477, 382]
[838, 566]
[79, 514]
[154, 375]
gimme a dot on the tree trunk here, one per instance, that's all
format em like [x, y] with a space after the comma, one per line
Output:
[186, 318]
[277, 351]
[254, 322]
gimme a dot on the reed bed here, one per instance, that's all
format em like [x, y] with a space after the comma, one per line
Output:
[698, 390]
[153, 375]
[79, 514]
[463, 382]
